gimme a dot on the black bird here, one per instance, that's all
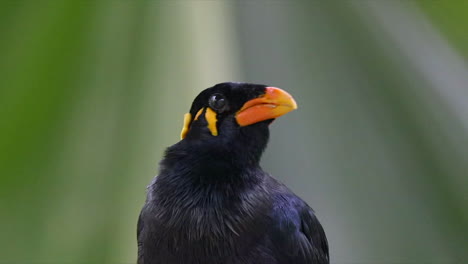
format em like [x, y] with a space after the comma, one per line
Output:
[213, 204]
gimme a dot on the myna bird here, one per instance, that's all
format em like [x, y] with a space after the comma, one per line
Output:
[213, 204]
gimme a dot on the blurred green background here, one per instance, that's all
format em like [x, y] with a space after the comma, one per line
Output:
[91, 92]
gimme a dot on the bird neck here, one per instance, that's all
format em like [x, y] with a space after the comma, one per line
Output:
[189, 176]
[227, 162]
[211, 163]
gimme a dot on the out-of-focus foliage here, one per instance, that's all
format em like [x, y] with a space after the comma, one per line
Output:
[91, 92]
[451, 18]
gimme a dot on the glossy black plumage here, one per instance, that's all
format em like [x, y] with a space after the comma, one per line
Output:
[212, 203]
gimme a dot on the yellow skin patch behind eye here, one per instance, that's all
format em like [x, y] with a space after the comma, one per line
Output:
[185, 128]
[198, 113]
[210, 116]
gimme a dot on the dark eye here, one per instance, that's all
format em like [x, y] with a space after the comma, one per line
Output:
[218, 102]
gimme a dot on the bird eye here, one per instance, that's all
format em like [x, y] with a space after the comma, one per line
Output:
[218, 102]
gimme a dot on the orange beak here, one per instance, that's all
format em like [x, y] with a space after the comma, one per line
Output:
[274, 103]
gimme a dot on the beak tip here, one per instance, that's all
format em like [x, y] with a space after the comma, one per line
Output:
[287, 98]
[293, 104]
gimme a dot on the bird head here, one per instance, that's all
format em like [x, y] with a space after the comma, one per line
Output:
[235, 115]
